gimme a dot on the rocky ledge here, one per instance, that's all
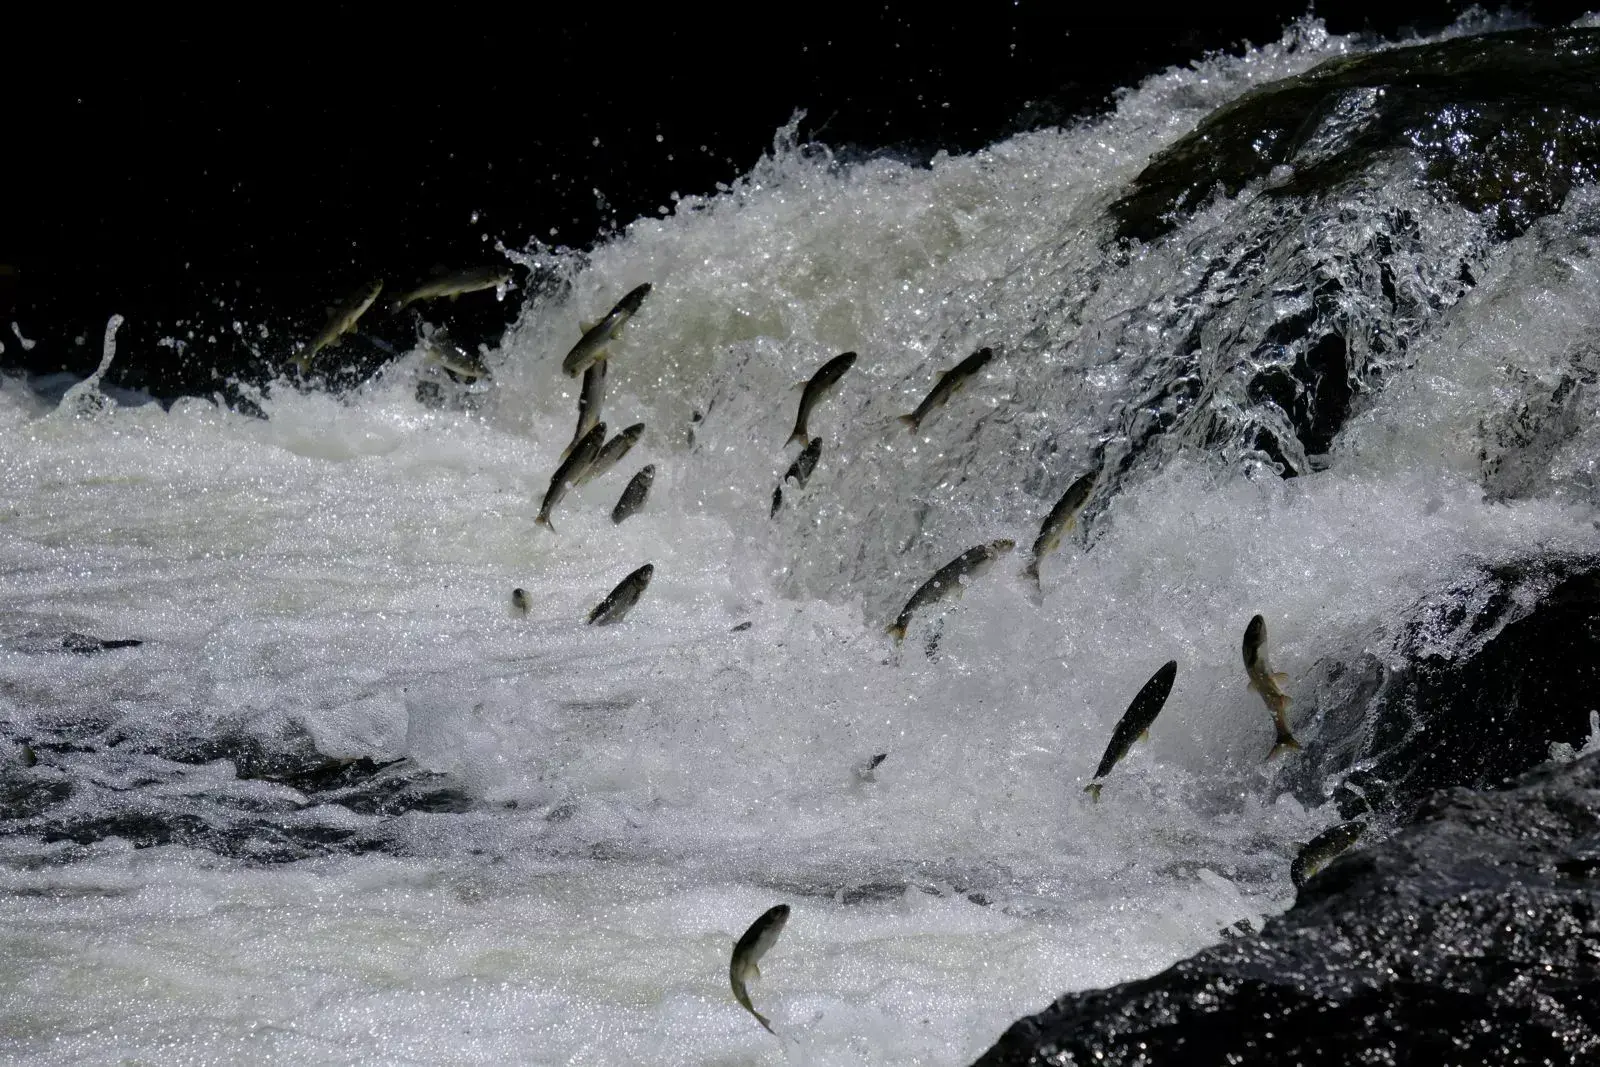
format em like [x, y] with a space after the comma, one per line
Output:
[1471, 937]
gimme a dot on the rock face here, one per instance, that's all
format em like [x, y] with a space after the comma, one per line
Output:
[1481, 679]
[1501, 122]
[1472, 937]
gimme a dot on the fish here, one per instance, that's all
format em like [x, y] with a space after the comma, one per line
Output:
[29, 757]
[777, 501]
[947, 579]
[87, 644]
[1323, 849]
[1135, 723]
[633, 497]
[618, 602]
[949, 383]
[591, 346]
[1062, 518]
[562, 480]
[1263, 680]
[520, 601]
[806, 462]
[589, 398]
[454, 284]
[341, 322]
[865, 770]
[740, 628]
[747, 953]
[453, 358]
[826, 377]
[610, 455]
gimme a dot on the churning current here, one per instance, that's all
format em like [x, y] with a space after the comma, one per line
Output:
[344, 804]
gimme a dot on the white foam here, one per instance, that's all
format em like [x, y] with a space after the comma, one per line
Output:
[345, 566]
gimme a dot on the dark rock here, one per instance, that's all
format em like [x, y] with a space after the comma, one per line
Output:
[1505, 123]
[1479, 682]
[1472, 937]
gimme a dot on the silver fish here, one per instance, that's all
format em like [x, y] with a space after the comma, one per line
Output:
[611, 454]
[454, 284]
[947, 579]
[948, 384]
[453, 358]
[1324, 849]
[747, 953]
[1062, 518]
[520, 600]
[591, 346]
[589, 399]
[800, 470]
[618, 602]
[1269, 684]
[342, 321]
[1135, 723]
[562, 480]
[634, 495]
[826, 378]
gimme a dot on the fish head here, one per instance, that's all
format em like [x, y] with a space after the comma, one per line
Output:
[1255, 635]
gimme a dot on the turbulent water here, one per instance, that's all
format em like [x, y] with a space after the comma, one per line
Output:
[344, 805]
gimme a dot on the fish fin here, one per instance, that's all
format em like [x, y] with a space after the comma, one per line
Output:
[1093, 789]
[896, 631]
[1251, 685]
[1070, 525]
[585, 327]
[762, 1019]
[755, 970]
[565, 452]
[544, 520]
[1284, 744]
[1280, 677]
[910, 422]
[453, 297]
[798, 435]
[1144, 735]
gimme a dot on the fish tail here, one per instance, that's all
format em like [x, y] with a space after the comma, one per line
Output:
[897, 631]
[1285, 743]
[1093, 789]
[910, 422]
[798, 435]
[1031, 573]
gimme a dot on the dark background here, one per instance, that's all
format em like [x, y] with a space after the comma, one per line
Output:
[193, 176]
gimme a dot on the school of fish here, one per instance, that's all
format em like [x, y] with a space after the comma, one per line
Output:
[590, 455]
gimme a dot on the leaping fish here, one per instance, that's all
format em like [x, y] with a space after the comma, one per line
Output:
[591, 346]
[1062, 518]
[747, 952]
[1269, 684]
[566, 474]
[1135, 723]
[949, 383]
[826, 377]
[1322, 850]
[454, 284]
[341, 322]
[590, 397]
[947, 579]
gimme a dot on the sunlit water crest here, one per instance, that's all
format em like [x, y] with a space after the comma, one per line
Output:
[635, 795]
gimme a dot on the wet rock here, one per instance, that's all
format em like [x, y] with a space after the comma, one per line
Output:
[1472, 937]
[1478, 683]
[1504, 123]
